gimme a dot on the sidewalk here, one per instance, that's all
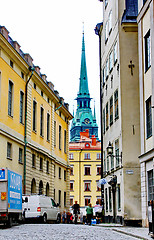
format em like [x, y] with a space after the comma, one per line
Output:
[138, 232]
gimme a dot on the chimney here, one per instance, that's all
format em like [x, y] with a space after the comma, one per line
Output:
[5, 32]
[56, 93]
[67, 106]
[29, 59]
[44, 77]
[51, 86]
[37, 69]
[85, 134]
[93, 140]
[62, 100]
[16, 46]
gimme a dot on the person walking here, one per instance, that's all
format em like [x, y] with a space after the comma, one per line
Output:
[76, 211]
[89, 211]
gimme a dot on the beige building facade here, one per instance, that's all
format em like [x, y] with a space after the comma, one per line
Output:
[119, 78]
[145, 21]
[34, 124]
[85, 163]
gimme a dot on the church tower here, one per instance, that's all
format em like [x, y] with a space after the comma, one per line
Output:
[84, 118]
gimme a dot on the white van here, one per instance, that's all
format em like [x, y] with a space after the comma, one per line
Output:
[40, 207]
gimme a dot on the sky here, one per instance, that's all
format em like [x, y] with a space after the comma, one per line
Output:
[51, 32]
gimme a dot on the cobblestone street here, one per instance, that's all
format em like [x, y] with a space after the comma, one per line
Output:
[60, 231]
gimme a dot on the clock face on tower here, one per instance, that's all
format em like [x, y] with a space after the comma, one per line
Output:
[87, 121]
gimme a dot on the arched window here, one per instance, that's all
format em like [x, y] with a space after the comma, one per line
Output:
[33, 186]
[47, 189]
[41, 188]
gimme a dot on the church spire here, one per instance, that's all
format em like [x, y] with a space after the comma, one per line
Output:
[83, 87]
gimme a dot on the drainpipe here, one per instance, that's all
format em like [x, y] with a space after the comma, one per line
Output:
[31, 69]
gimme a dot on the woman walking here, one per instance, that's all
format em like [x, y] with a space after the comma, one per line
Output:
[89, 211]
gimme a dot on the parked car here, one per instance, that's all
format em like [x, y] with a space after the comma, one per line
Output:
[40, 207]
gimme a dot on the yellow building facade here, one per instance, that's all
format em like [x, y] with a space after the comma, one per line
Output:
[34, 124]
[85, 163]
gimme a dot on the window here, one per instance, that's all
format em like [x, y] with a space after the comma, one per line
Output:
[116, 105]
[107, 117]
[115, 53]
[64, 199]
[34, 85]
[86, 170]
[64, 175]
[106, 2]
[71, 201]
[119, 197]
[33, 161]
[59, 197]
[107, 69]
[11, 63]
[59, 137]
[71, 156]
[48, 127]
[144, 1]
[111, 61]
[21, 106]
[107, 163]
[150, 185]
[98, 187]
[9, 150]
[54, 133]
[106, 199]
[54, 170]
[103, 121]
[104, 163]
[65, 138]
[20, 155]
[112, 162]
[147, 51]
[22, 75]
[106, 31]
[71, 170]
[110, 199]
[87, 200]
[47, 167]
[98, 170]
[10, 99]
[42, 93]
[87, 156]
[48, 100]
[110, 21]
[41, 122]
[34, 115]
[98, 156]
[148, 118]
[59, 172]
[41, 164]
[71, 186]
[103, 76]
[117, 152]
[87, 186]
[111, 111]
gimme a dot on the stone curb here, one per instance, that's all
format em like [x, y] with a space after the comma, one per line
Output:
[130, 234]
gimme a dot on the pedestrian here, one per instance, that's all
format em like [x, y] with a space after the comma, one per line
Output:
[76, 211]
[71, 218]
[98, 210]
[89, 211]
[64, 217]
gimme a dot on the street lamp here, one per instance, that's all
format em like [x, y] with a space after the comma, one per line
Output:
[110, 152]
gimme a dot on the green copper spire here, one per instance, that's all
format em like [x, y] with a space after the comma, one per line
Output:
[83, 88]
[84, 118]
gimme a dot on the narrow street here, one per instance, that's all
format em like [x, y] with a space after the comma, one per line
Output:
[60, 231]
